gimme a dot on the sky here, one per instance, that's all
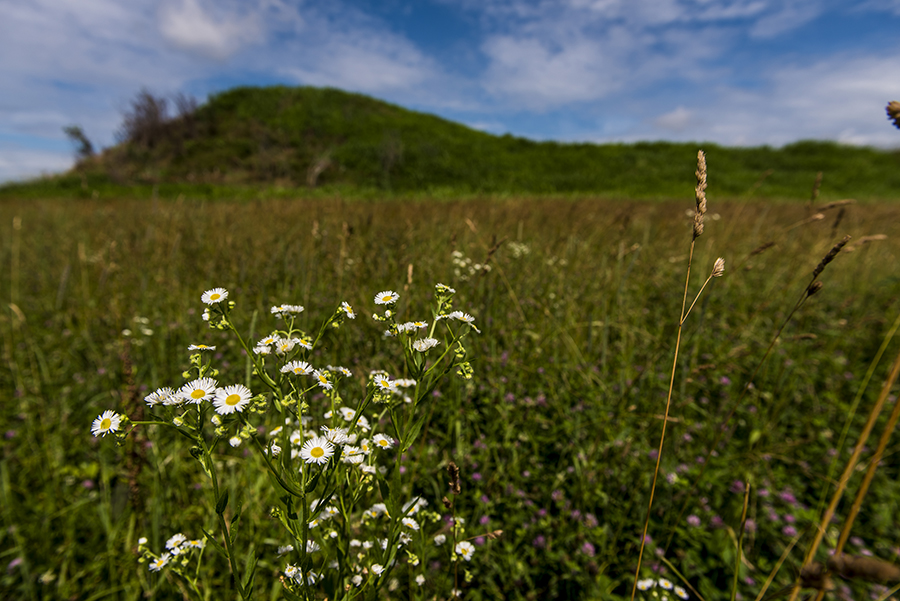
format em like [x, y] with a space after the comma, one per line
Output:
[734, 72]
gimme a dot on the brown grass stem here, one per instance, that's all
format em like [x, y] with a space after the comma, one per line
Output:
[849, 469]
[697, 230]
[662, 437]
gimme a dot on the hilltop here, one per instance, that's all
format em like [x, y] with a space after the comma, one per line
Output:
[294, 139]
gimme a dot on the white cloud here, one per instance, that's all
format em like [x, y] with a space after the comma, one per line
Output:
[20, 164]
[191, 28]
[676, 121]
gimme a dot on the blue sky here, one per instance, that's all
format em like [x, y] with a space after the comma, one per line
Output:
[735, 72]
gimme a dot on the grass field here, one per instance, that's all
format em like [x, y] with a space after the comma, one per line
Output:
[556, 435]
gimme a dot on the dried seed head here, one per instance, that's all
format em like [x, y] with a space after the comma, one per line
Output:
[700, 193]
[495, 534]
[830, 256]
[447, 503]
[453, 472]
[718, 268]
[815, 576]
[893, 111]
[813, 288]
[863, 568]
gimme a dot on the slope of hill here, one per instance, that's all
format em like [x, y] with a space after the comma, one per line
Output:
[288, 138]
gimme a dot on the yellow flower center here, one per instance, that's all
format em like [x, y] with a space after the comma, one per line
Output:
[317, 452]
[198, 394]
[233, 399]
[214, 296]
[105, 424]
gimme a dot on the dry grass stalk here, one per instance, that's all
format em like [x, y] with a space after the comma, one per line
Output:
[761, 249]
[700, 191]
[802, 222]
[815, 191]
[864, 240]
[849, 469]
[835, 204]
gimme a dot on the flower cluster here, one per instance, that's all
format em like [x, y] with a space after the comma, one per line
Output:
[331, 442]
[661, 589]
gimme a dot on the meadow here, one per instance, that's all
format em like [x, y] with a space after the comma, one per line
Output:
[556, 434]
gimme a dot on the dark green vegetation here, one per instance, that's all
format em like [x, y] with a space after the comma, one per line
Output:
[268, 142]
[556, 436]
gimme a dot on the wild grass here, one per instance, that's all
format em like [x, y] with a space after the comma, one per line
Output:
[557, 436]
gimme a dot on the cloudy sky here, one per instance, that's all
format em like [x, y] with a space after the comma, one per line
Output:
[736, 72]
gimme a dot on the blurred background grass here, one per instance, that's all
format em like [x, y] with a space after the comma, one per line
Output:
[578, 314]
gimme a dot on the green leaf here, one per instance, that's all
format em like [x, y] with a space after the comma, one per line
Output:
[212, 540]
[222, 502]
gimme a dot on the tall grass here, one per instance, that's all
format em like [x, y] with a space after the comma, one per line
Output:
[556, 435]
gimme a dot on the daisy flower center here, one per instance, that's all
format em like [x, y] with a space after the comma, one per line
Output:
[215, 296]
[233, 399]
[383, 443]
[317, 452]
[105, 424]
[198, 394]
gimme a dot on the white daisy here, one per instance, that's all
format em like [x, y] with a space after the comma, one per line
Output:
[347, 413]
[199, 390]
[176, 541]
[386, 297]
[268, 340]
[440, 539]
[466, 549]
[346, 308]
[296, 438]
[318, 450]
[681, 592]
[216, 295]
[201, 347]
[262, 349]
[285, 345]
[666, 584]
[423, 344]
[298, 368]
[322, 379]
[235, 441]
[158, 564]
[305, 342]
[382, 442]
[420, 580]
[410, 523]
[160, 396]
[231, 399]
[106, 422]
[287, 311]
[377, 569]
[646, 584]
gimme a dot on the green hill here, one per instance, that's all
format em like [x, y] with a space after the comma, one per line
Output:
[277, 140]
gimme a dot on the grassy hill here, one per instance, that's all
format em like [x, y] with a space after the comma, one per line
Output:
[276, 140]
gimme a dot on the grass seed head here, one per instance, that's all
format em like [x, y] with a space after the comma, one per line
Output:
[453, 472]
[830, 256]
[718, 268]
[893, 112]
[700, 193]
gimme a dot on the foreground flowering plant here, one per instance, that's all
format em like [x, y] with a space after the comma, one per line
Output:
[332, 450]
